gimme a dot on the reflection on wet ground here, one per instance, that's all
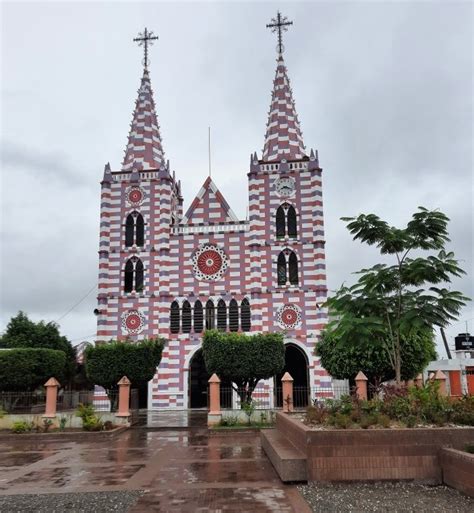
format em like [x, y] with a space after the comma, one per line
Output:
[180, 470]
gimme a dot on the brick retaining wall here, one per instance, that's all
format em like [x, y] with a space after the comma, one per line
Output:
[375, 454]
[458, 470]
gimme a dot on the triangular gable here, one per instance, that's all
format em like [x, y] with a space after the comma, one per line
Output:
[209, 206]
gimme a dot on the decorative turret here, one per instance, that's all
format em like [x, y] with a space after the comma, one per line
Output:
[144, 149]
[283, 139]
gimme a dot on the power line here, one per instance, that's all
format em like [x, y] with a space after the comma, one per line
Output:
[77, 304]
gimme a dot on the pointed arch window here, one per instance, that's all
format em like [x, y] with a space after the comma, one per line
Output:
[281, 269]
[133, 275]
[186, 317]
[210, 315]
[233, 315]
[174, 317]
[134, 230]
[221, 315]
[198, 317]
[245, 315]
[291, 222]
[280, 222]
[293, 268]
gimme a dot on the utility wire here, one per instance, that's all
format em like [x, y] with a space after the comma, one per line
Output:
[77, 304]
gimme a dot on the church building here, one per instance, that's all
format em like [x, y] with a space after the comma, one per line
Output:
[174, 273]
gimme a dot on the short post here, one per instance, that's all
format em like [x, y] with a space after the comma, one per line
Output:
[51, 386]
[440, 377]
[419, 381]
[287, 392]
[124, 398]
[361, 386]
[214, 395]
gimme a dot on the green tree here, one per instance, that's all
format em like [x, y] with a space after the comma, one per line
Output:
[27, 368]
[344, 359]
[22, 332]
[390, 305]
[107, 363]
[243, 359]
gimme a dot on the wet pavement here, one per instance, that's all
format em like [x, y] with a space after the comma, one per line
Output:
[179, 470]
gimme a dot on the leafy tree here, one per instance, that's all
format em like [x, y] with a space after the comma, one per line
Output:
[243, 359]
[392, 304]
[343, 360]
[22, 332]
[106, 364]
[27, 369]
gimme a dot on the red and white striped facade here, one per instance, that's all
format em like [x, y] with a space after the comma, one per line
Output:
[174, 243]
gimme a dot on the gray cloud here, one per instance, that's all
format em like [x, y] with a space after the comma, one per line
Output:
[383, 91]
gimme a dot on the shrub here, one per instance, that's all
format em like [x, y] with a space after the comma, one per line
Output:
[27, 369]
[340, 420]
[47, 423]
[108, 425]
[90, 421]
[229, 420]
[22, 426]
[62, 423]
[383, 420]
[316, 414]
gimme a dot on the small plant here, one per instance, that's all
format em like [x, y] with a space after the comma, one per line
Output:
[2, 413]
[368, 420]
[229, 421]
[340, 420]
[62, 423]
[108, 425]
[316, 414]
[90, 421]
[249, 408]
[22, 426]
[383, 420]
[47, 423]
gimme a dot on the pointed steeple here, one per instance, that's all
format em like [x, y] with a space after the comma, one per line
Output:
[283, 139]
[144, 140]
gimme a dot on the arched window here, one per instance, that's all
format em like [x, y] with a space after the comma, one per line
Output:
[210, 315]
[293, 269]
[186, 318]
[174, 317]
[134, 230]
[233, 315]
[129, 229]
[281, 269]
[140, 230]
[245, 315]
[139, 276]
[280, 222]
[221, 315]
[198, 317]
[291, 222]
[128, 280]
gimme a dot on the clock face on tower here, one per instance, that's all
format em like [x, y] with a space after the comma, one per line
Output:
[285, 186]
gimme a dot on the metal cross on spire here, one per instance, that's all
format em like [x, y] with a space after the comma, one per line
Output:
[279, 24]
[145, 38]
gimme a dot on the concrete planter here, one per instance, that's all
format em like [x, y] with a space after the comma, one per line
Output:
[366, 455]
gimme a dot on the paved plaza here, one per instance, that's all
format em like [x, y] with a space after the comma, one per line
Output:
[177, 470]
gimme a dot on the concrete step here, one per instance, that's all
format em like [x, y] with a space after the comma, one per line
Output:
[289, 462]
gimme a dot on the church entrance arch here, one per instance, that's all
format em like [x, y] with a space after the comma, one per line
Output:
[198, 378]
[296, 364]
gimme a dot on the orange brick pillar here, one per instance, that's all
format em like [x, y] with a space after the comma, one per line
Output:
[124, 398]
[287, 392]
[440, 377]
[51, 386]
[419, 381]
[361, 386]
[214, 395]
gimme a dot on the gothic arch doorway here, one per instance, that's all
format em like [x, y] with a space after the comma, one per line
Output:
[198, 378]
[296, 363]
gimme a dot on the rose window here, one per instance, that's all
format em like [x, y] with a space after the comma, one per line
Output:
[209, 263]
[135, 195]
[289, 317]
[133, 321]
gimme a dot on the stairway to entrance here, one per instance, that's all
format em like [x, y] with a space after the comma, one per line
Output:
[157, 420]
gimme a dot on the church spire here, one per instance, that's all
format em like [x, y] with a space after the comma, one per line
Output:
[283, 139]
[144, 149]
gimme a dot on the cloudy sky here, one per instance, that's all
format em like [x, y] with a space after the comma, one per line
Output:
[383, 91]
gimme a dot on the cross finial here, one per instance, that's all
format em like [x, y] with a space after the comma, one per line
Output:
[145, 38]
[279, 24]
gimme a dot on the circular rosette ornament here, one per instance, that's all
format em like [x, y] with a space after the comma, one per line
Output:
[135, 196]
[209, 263]
[133, 321]
[289, 317]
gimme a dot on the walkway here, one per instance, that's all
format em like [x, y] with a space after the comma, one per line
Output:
[179, 471]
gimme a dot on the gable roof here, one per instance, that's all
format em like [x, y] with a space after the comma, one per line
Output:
[209, 206]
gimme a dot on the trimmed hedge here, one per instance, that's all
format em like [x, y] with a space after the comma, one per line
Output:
[243, 359]
[27, 369]
[108, 363]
